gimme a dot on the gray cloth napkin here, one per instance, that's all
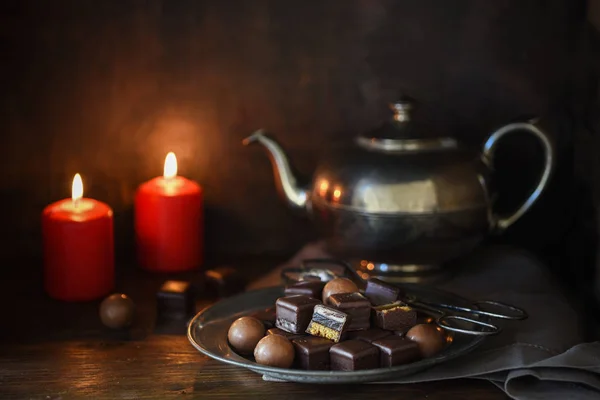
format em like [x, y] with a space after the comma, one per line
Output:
[542, 357]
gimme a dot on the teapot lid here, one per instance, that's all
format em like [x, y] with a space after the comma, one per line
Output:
[403, 133]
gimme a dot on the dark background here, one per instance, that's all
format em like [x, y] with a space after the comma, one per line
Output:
[107, 88]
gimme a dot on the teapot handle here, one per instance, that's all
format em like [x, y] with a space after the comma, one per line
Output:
[501, 223]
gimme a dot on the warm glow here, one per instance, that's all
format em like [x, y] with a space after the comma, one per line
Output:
[170, 170]
[370, 266]
[77, 189]
[323, 187]
[336, 194]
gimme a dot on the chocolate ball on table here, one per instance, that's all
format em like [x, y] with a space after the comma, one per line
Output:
[430, 338]
[274, 351]
[116, 311]
[338, 285]
[244, 334]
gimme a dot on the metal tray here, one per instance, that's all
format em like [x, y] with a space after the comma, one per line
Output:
[207, 332]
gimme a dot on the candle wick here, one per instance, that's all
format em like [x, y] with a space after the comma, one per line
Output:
[76, 203]
[169, 180]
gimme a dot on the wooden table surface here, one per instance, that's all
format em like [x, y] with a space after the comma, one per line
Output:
[53, 350]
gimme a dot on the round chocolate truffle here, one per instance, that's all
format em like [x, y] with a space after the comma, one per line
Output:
[244, 333]
[430, 338]
[274, 351]
[116, 311]
[338, 285]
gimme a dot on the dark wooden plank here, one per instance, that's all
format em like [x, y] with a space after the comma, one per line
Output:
[55, 320]
[164, 366]
[54, 350]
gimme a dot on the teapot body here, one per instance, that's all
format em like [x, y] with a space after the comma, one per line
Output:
[417, 208]
[401, 201]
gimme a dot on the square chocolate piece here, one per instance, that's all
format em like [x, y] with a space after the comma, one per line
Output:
[369, 335]
[421, 319]
[395, 317]
[174, 300]
[307, 288]
[380, 292]
[224, 281]
[356, 306]
[293, 313]
[395, 350]
[312, 353]
[328, 323]
[353, 355]
[266, 316]
[287, 335]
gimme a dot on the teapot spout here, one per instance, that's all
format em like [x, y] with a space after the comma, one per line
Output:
[288, 187]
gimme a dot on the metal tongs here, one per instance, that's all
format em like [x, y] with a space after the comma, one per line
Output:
[446, 315]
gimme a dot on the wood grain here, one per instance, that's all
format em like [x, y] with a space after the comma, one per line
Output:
[51, 350]
[162, 367]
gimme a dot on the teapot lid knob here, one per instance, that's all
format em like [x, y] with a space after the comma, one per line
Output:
[402, 108]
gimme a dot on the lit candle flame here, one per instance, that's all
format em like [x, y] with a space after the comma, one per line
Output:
[77, 189]
[170, 170]
[337, 193]
[323, 187]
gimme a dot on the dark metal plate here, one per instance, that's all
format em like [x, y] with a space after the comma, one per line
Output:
[207, 332]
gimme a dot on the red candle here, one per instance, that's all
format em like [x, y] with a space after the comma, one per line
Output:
[168, 222]
[78, 247]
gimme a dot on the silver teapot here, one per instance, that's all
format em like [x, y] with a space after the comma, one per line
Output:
[401, 204]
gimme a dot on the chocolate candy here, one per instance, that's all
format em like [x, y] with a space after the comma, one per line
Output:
[244, 334]
[430, 338]
[293, 313]
[224, 281]
[175, 299]
[311, 288]
[395, 350]
[312, 353]
[356, 306]
[353, 355]
[421, 319]
[395, 317]
[328, 323]
[266, 316]
[116, 311]
[380, 292]
[369, 335]
[274, 351]
[287, 335]
[338, 285]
